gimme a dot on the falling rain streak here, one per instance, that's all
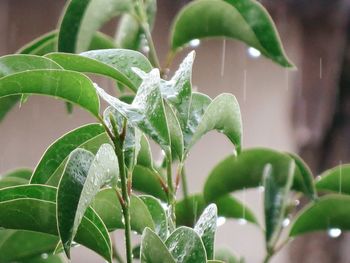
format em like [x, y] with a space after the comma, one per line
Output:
[245, 86]
[223, 57]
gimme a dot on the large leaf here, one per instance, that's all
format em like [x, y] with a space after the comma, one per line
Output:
[206, 228]
[114, 63]
[246, 171]
[17, 63]
[83, 177]
[158, 214]
[276, 198]
[56, 155]
[68, 85]
[245, 20]
[147, 109]
[107, 206]
[153, 249]
[33, 208]
[18, 245]
[83, 18]
[186, 246]
[188, 210]
[336, 180]
[45, 259]
[329, 212]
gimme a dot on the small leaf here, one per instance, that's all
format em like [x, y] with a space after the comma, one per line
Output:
[335, 180]
[158, 214]
[186, 246]
[153, 249]
[12, 181]
[107, 206]
[246, 170]
[329, 212]
[19, 245]
[146, 111]
[144, 158]
[23, 173]
[188, 210]
[33, 208]
[206, 228]
[275, 202]
[67, 85]
[83, 177]
[83, 18]
[222, 114]
[245, 20]
[146, 181]
[56, 155]
[226, 256]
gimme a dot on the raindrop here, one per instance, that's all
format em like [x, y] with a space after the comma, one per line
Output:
[318, 178]
[242, 221]
[286, 222]
[254, 53]
[334, 232]
[44, 256]
[261, 189]
[220, 221]
[145, 49]
[195, 43]
[297, 202]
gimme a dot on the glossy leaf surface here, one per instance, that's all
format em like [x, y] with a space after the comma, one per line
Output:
[56, 155]
[335, 180]
[329, 212]
[153, 250]
[67, 85]
[247, 21]
[83, 177]
[33, 208]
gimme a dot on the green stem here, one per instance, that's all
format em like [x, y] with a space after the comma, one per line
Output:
[152, 50]
[184, 183]
[267, 258]
[170, 184]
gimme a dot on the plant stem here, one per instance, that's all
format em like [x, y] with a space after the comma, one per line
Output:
[267, 258]
[171, 192]
[184, 183]
[152, 50]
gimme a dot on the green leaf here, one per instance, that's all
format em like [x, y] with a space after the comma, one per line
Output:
[45, 259]
[246, 171]
[206, 228]
[144, 157]
[329, 212]
[18, 63]
[146, 181]
[82, 19]
[114, 63]
[158, 214]
[335, 180]
[32, 46]
[275, 202]
[107, 206]
[245, 20]
[33, 208]
[12, 181]
[153, 250]
[222, 114]
[19, 245]
[67, 85]
[23, 173]
[83, 177]
[147, 109]
[188, 210]
[226, 256]
[55, 157]
[186, 246]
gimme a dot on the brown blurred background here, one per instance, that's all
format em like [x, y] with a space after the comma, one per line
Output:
[305, 111]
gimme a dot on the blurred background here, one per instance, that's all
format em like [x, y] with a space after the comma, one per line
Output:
[305, 111]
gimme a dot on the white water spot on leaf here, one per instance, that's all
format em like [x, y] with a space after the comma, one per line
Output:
[254, 53]
[220, 221]
[194, 43]
[334, 232]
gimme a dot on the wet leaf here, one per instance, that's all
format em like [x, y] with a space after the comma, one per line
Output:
[33, 208]
[83, 177]
[275, 202]
[188, 210]
[45, 259]
[206, 228]
[329, 212]
[82, 19]
[335, 180]
[186, 246]
[107, 206]
[89, 137]
[158, 214]
[19, 245]
[67, 85]
[247, 21]
[153, 250]
[246, 171]
[146, 111]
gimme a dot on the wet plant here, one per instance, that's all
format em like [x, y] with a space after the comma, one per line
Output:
[102, 177]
